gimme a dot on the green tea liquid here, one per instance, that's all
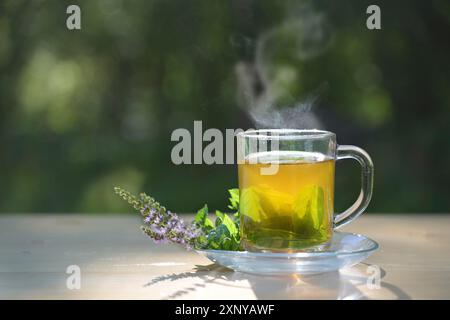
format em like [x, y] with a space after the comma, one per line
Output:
[291, 209]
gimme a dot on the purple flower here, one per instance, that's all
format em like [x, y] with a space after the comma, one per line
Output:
[157, 220]
[147, 220]
[158, 230]
[165, 226]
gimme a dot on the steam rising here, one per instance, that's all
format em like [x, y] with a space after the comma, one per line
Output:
[268, 87]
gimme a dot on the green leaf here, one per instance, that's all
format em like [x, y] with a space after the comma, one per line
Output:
[230, 225]
[201, 215]
[225, 235]
[202, 220]
[219, 217]
[310, 204]
[251, 204]
[234, 199]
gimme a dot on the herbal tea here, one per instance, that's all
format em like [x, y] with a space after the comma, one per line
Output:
[290, 209]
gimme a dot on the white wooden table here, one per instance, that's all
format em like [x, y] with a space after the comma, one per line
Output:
[118, 262]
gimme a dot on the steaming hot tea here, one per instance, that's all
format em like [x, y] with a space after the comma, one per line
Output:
[286, 188]
[290, 209]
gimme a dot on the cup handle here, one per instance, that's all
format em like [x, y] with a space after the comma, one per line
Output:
[358, 154]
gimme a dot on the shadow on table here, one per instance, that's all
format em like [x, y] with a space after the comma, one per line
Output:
[331, 285]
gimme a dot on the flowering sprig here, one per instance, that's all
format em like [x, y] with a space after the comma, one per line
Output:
[163, 226]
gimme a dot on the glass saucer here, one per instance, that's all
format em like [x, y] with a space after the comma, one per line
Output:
[345, 249]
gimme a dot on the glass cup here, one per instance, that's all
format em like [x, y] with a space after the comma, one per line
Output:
[286, 184]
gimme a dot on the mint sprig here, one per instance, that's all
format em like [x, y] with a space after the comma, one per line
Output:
[164, 226]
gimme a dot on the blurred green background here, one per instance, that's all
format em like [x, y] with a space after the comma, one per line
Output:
[83, 111]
